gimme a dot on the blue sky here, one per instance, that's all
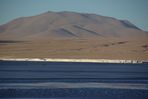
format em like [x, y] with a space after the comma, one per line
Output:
[136, 11]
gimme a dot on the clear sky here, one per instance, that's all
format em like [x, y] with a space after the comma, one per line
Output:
[136, 11]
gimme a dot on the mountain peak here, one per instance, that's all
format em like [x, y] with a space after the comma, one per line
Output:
[67, 24]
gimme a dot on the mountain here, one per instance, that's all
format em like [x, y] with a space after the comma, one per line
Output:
[72, 35]
[68, 25]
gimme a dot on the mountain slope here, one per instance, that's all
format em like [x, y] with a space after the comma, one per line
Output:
[68, 25]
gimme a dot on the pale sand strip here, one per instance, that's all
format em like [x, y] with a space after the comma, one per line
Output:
[73, 60]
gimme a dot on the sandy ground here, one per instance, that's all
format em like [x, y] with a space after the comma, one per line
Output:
[77, 48]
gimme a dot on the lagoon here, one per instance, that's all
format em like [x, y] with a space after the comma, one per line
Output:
[60, 80]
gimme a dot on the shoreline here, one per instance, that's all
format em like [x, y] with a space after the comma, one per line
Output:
[74, 60]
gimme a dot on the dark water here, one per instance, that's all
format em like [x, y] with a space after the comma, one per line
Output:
[41, 72]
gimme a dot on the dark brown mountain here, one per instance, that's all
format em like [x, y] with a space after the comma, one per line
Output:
[68, 25]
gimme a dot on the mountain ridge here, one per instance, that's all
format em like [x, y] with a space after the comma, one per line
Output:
[69, 25]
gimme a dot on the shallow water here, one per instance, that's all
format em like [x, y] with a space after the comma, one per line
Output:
[53, 70]
[12, 72]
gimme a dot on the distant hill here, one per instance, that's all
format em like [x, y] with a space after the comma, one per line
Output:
[72, 35]
[68, 25]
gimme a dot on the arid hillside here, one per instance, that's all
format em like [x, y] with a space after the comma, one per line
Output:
[72, 35]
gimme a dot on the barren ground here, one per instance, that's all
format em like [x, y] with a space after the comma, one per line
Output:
[76, 48]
